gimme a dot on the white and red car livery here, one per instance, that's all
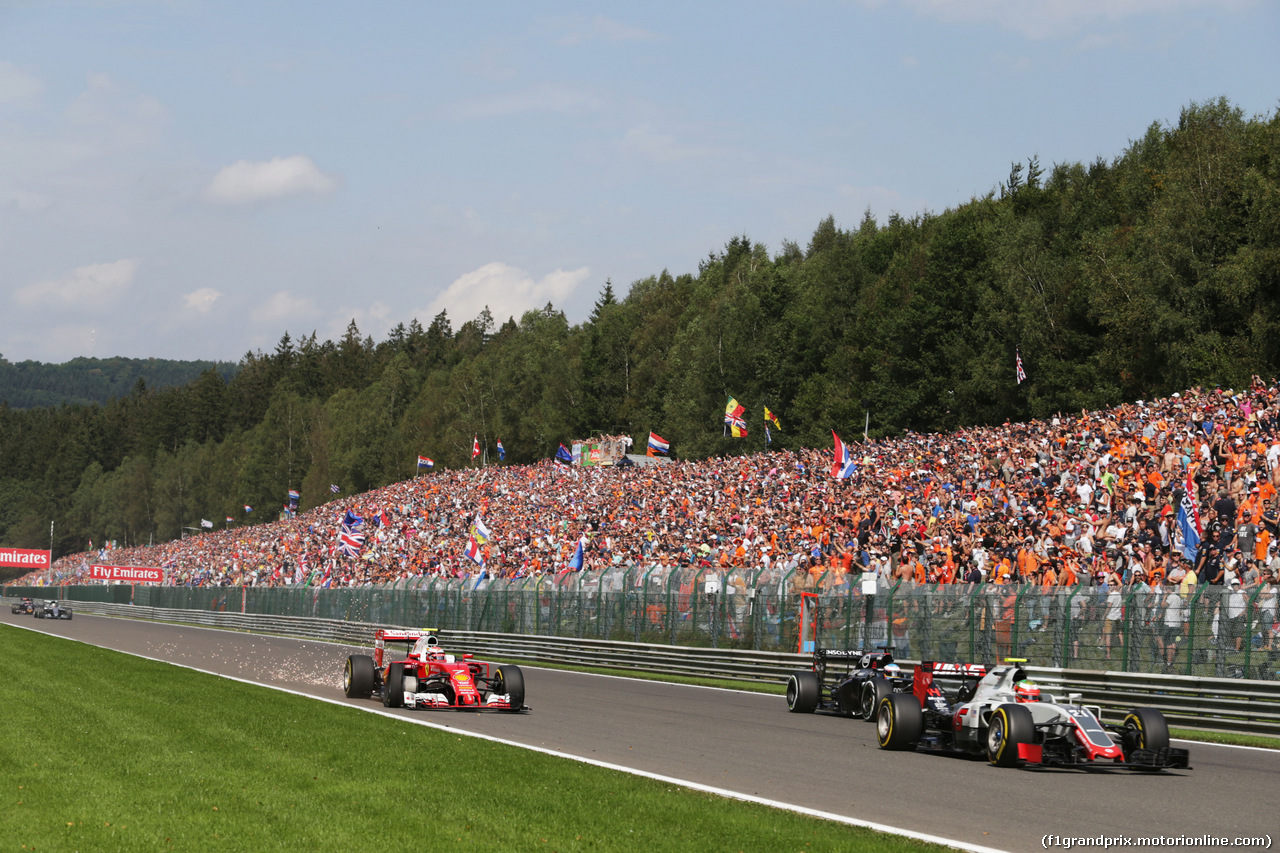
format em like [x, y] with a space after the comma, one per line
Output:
[428, 677]
[975, 710]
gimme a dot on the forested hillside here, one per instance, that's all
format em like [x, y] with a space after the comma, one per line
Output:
[33, 384]
[1156, 271]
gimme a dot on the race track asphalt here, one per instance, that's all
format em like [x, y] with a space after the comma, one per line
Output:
[749, 743]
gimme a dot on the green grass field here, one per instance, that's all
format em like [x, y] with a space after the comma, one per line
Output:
[106, 752]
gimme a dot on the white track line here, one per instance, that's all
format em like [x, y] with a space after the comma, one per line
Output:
[684, 783]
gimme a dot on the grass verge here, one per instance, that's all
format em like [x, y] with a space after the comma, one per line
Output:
[107, 752]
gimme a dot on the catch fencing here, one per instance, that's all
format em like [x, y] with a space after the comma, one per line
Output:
[1206, 631]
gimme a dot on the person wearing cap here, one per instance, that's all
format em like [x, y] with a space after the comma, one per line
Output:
[1173, 620]
[1233, 623]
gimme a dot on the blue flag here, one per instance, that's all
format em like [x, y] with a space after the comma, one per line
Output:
[502, 452]
[1189, 522]
[563, 455]
[575, 562]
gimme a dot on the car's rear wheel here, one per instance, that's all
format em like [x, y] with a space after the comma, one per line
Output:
[873, 691]
[509, 681]
[1144, 728]
[1010, 726]
[802, 692]
[357, 677]
[393, 686]
[899, 721]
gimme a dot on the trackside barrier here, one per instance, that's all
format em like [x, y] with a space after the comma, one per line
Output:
[1206, 631]
[1229, 705]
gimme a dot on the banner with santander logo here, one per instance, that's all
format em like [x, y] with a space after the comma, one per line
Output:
[127, 574]
[24, 558]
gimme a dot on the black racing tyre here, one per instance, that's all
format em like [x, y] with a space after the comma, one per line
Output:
[802, 692]
[1010, 725]
[899, 721]
[393, 686]
[1144, 728]
[68, 615]
[509, 680]
[873, 690]
[357, 677]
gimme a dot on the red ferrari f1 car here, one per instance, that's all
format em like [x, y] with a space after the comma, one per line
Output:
[426, 677]
[1000, 714]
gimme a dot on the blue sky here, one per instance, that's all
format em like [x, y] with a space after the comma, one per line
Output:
[192, 179]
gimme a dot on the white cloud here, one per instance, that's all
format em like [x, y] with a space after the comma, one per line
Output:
[16, 85]
[201, 301]
[246, 183]
[87, 287]
[507, 291]
[1040, 19]
[285, 308]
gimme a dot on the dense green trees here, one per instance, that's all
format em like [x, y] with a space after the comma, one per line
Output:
[1120, 280]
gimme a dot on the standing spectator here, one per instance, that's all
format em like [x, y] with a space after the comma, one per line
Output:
[1175, 617]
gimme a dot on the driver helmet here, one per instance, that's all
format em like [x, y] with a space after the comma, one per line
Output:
[1027, 691]
[892, 669]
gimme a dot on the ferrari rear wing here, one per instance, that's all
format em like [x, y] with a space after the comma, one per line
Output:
[402, 635]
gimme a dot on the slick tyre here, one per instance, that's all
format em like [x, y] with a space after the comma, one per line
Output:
[357, 677]
[1144, 728]
[510, 680]
[1010, 726]
[802, 692]
[873, 691]
[899, 721]
[393, 689]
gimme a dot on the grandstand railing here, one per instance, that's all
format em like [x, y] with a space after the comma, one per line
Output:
[1232, 705]
[1208, 632]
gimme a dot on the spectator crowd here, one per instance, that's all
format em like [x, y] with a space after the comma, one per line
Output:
[1078, 499]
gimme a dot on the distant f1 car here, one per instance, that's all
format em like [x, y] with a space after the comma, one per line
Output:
[847, 682]
[1002, 715]
[426, 677]
[51, 609]
[24, 605]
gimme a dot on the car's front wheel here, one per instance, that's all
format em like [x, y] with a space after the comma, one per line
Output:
[1010, 726]
[509, 680]
[1144, 728]
[393, 686]
[873, 691]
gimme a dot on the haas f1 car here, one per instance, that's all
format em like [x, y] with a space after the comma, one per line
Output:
[426, 677]
[846, 682]
[52, 609]
[1002, 715]
[23, 605]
